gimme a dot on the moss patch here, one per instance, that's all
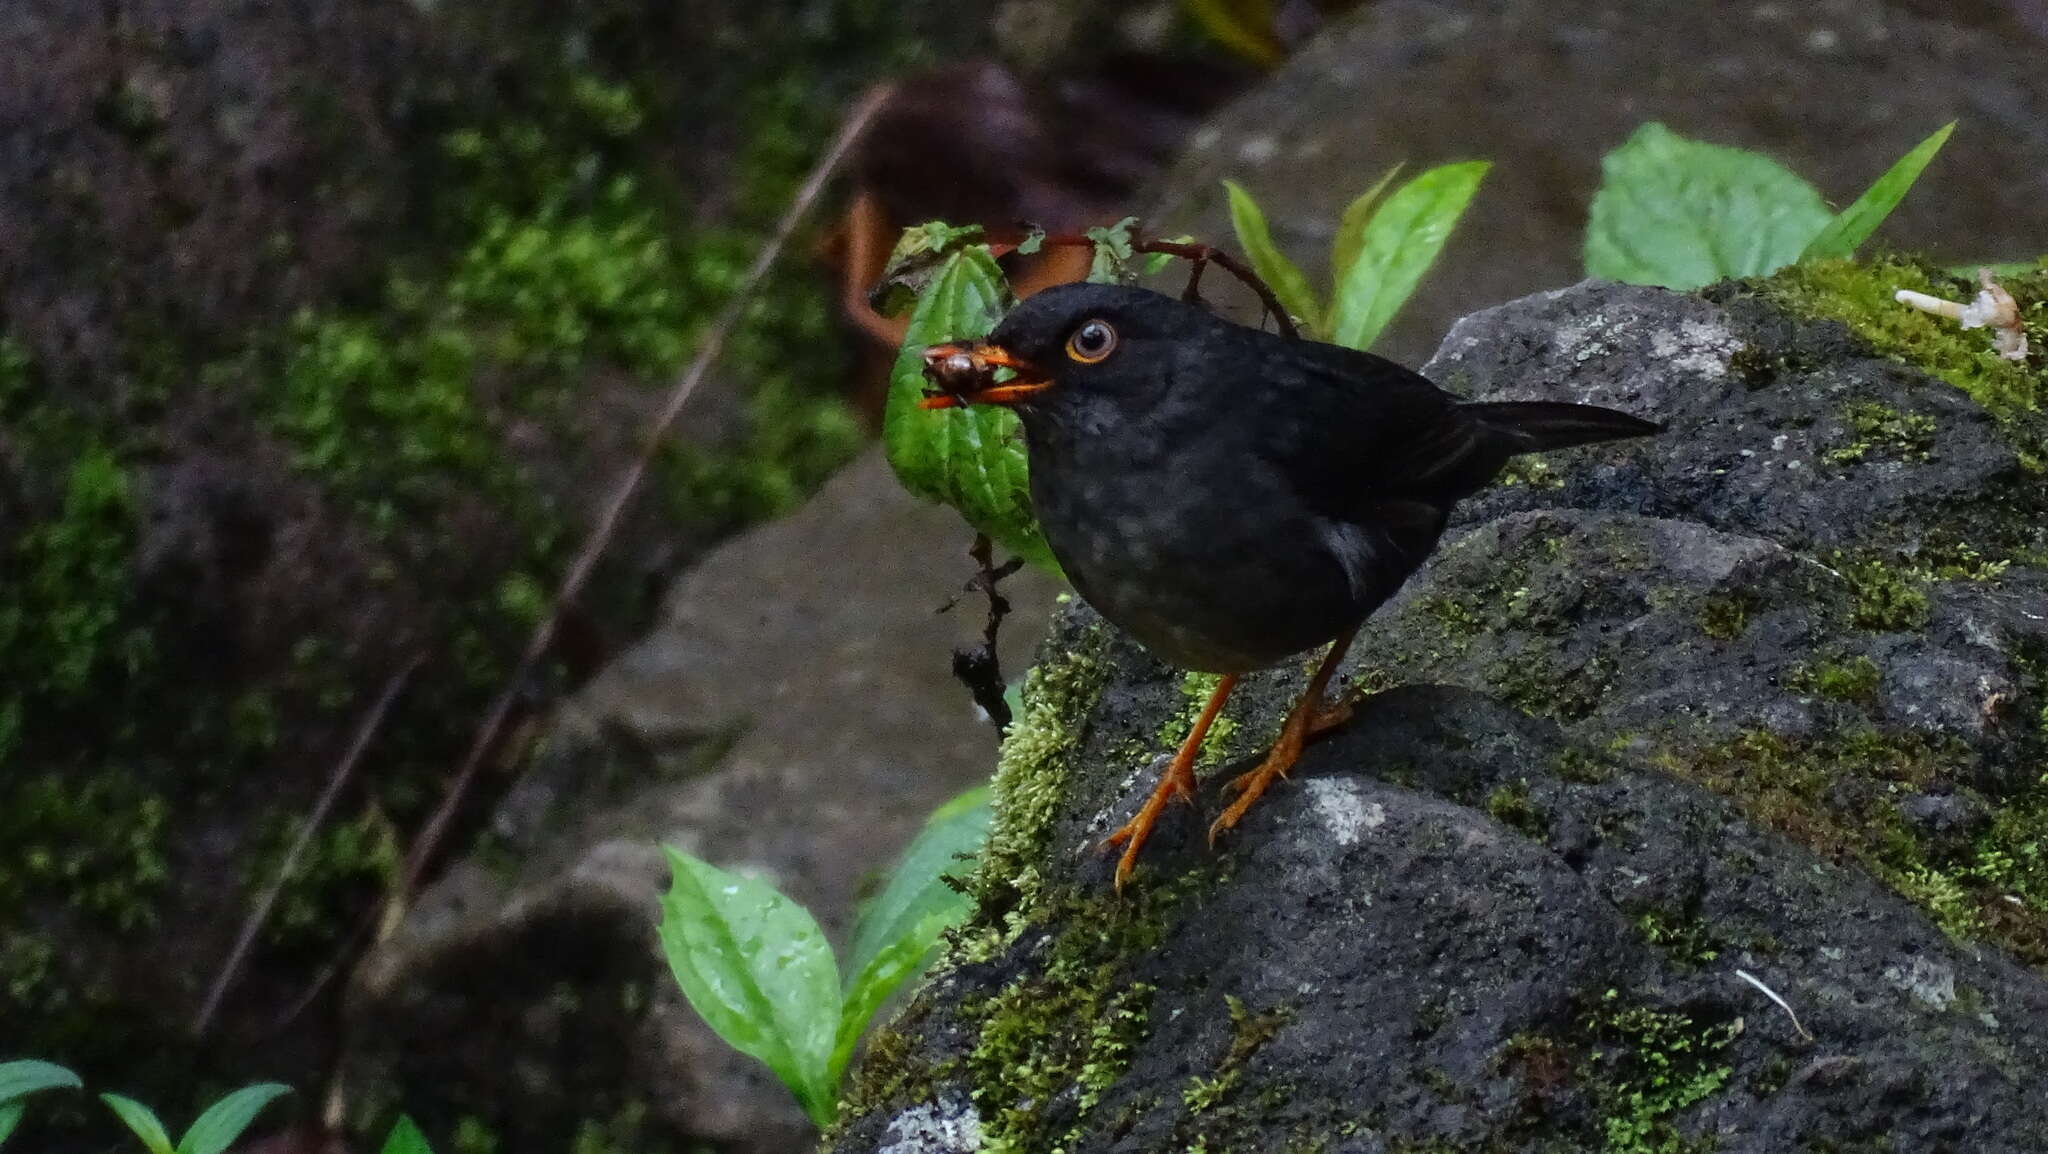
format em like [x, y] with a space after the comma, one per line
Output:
[1855, 679]
[1860, 295]
[1646, 1067]
[1882, 430]
[1031, 777]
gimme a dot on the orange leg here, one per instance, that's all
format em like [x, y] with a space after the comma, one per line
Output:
[1177, 781]
[1309, 717]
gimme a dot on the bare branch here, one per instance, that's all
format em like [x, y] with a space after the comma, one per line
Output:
[366, 731]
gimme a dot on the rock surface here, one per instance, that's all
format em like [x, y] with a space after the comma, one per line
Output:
[1836, 89]
[1698, 808]
[793, 714]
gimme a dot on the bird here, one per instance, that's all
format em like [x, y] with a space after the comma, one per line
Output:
[1232, 497]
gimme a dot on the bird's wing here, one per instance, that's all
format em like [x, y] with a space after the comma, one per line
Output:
[1351, 430]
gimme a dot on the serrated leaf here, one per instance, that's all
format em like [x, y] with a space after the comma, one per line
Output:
[914, 262]
[1683, 213]
[1111, 259]
[1397, 246]
[1350, 236]
[1281, 275]
[142, 1120]
[223, 1122]
[1854, 224]
[405, 1138]
[970, 457]
[27, 1076]
[757, 969]
[10, 1117]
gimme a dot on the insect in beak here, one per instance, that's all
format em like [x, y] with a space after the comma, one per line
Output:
[966, 375]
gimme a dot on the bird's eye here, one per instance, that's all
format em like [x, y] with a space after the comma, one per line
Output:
[1092, 342]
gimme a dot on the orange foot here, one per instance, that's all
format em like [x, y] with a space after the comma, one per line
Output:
[1177, 781]
[1309, 717]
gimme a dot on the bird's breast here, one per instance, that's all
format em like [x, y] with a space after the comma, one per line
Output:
[1199, 553]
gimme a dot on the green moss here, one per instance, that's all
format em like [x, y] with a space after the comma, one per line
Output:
[1725, 616]
[1031, 777]
[1051, 1042]
[1860, 295]
[1648, 1066]
[1883, 429]
[1682, 937]
[1196, 689]
[95, 845]
[1510, 805]
[1995, 889]
[1853, 680]
[1532, 471]
[1889, 598]
[1249, 1033]
[345, 866]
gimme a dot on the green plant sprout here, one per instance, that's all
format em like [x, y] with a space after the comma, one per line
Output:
[212, 1132]
[758, 970]
[1683, 213]
[22, 1078]
[216, 1129]
[1382, 250]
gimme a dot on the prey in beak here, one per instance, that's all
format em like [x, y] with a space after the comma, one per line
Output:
[966, 375]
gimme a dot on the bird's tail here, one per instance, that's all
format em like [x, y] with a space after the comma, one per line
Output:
[1539, 426]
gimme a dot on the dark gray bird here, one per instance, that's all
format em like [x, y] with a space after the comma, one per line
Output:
[1231, 497]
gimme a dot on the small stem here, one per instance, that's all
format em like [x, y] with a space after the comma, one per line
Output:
[1200, 254]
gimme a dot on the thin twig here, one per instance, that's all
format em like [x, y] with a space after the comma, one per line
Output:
[977, 666]
[366, 731]
[1199, 254]
[428, 840]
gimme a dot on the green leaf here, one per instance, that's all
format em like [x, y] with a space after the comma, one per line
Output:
[1111, 263]
[223, 1122]
[969, 457]
[898, 962]
[758, 970]
[899, 929]
[1682, 213]
[1350, 237]
[1283, 276]
[10, 1117]
[405, 1138]
[28, 1076]
[1398, 245]
[1854, 224]
[142, 1120]
[916, 888]
[914, 262]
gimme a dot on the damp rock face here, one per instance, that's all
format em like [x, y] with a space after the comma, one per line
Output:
[1696, 803]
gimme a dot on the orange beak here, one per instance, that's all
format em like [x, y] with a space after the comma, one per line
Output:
[967, 376]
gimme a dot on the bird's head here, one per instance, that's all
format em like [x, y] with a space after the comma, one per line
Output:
[1070, 345]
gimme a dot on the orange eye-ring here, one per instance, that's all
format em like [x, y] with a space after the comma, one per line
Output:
[1092, 342]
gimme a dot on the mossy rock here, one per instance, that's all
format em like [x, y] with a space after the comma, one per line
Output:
[1698, 807]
